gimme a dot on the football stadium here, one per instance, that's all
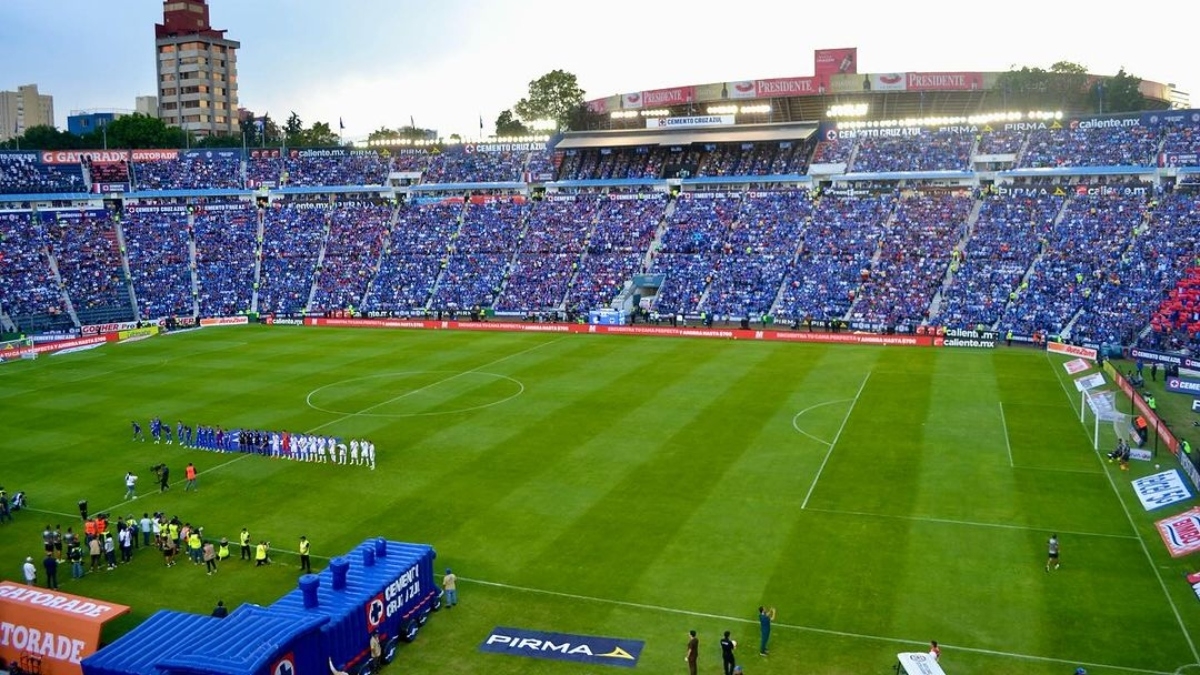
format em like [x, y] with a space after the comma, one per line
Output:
[475, 407]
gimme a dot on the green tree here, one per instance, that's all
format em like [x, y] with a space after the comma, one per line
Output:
[320, 134]
[410, 133]
[47, 138]
[553, 96]
[140, 131]
[1119, 93]
[293, 130]
[508, 125]
[1061, 87]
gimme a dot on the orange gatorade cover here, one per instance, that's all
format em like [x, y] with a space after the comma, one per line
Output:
[60, 628]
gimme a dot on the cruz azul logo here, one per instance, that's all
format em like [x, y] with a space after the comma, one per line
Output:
[563, 647]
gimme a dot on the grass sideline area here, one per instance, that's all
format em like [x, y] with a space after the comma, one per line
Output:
[628, 487]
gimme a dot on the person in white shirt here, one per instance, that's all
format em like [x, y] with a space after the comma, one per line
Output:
[30, 572]
[369, 454]
[321, 452]
[354, 452]
[341, 453]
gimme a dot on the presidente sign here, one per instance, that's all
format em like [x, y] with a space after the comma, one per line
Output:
[59, 627]
[563, 647]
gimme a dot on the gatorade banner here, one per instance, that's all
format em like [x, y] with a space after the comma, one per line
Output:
[60, 628]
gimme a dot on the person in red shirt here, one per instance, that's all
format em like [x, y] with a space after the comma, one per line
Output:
[190, 474]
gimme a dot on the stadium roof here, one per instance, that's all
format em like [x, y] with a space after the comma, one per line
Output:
[741, 133]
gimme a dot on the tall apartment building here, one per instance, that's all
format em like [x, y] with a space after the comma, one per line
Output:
[197, 70]
[24, 108]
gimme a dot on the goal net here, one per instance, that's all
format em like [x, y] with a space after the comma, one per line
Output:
[1098, 413]
[21, 348]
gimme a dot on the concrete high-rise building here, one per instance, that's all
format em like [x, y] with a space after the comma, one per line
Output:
[197, 70]
[24, 108]
[146, 105]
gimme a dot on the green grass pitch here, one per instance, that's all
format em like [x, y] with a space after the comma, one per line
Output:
[634, 488]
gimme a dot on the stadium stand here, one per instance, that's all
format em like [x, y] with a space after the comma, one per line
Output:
[160, 262]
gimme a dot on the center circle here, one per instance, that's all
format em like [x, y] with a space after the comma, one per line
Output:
[416, 393]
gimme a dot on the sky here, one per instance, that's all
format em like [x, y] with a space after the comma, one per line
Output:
[446, 63]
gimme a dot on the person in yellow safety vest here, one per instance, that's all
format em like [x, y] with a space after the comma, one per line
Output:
[195, 546]
[1152, 403]
[244, 539]
[223, 549]
[305, 561]
[260, 554]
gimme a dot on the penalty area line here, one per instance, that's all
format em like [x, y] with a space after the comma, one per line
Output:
[833, 444]
[805, 629]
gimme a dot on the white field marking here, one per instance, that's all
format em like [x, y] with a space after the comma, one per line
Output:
[506, 399]
[1046, 468]
[969, 523]
[808, 629]
[49, 513]
[1132, 525]
[368, 409]
[1007, 444]
[836, 436]
[814, 407]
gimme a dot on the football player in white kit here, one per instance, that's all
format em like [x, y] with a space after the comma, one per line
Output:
[354, 452]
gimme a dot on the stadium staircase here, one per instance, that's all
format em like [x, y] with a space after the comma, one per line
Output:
[6, 323]
[622, 299]
[384, 248]
[312, 290]
[852, 157]
[935, 305]
[58, 281]
[462, 216]
[258, 256]
[191, 228]
[888, 224]
[579, 262]
[510, 264]
[119, 233]
[1058, 217]
[87, 178]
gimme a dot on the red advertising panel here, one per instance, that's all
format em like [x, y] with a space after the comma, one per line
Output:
[666, 97]
[944, 81]
[58, 629]
[828, 62]
[76, 156]
[155, 155]
[598, 106]
[787, 86]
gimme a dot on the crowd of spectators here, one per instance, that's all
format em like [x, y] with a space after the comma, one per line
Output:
[25, 174]
[357, 168]
[615, 249]
[479, 254]
[757, 252]
[459, 164]
[929, 151]
[357, 235]
[1096, 146]
[225, 260]
[292, 239]
[84, 245]
[687, 254]
[27, 285]
[1081, 248]
[915, 252]
[194, 173]
[160, 262]
[1005, 240]
[415, 255]
[836, 256]
[549, 256]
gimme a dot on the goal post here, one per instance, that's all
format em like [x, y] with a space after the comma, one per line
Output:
[1097, 410]
[20, 348]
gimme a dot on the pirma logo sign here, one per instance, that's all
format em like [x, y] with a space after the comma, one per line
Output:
[563, 647]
